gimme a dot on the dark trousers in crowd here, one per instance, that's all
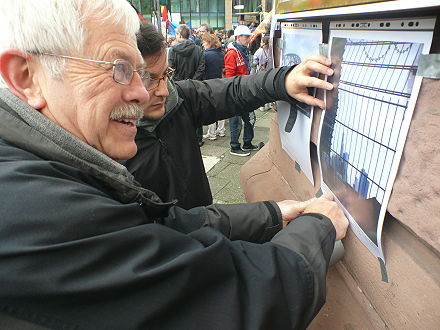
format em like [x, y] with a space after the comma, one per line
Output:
[235, 128]
[199, 133]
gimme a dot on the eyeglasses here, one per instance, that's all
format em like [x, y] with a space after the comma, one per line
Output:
[122, 70]
[153, 83]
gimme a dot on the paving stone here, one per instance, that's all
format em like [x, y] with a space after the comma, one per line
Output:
[231, 194]
[210, 161]
[209, 149]
[235, 159]
[220, 166]
[217, 184]
[232, 172]
[225, 175]
[264, 122]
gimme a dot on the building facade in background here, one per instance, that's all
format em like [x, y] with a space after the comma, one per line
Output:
[218, 13]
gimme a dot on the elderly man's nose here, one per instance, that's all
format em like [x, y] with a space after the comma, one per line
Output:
[135, 91]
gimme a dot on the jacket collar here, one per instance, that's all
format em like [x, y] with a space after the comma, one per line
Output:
[28, 129]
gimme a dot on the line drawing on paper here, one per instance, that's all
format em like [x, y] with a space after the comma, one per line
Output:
[363, 123]
[297, 45]
[295, 119]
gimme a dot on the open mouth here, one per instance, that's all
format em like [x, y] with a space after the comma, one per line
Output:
[128, 122]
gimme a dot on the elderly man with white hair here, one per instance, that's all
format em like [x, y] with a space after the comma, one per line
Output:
[85, 246]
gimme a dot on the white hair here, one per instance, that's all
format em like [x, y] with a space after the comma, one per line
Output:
[59, 26]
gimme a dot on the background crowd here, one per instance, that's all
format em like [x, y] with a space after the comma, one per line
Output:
[207, 53]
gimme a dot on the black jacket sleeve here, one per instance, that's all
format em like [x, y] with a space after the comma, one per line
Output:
[215, 99]
[256, 222]
[72, 257]
[200, 70]
[171, 58]
[297, 237]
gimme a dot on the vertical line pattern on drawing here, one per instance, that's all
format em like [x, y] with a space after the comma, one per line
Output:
[361, 128]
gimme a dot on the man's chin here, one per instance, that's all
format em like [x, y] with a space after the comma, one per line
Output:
[123, 153]
[155, 115]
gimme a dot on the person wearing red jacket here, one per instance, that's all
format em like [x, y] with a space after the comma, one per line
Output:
[237, 64]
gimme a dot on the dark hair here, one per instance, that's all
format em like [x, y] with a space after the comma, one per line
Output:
[230, 33]
[212, 40]
[149, 40]
[183, 30]
[208, 27]
[265, 40]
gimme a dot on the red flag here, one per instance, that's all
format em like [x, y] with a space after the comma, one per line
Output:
[138, 13]
[164, 13]
[141, 17]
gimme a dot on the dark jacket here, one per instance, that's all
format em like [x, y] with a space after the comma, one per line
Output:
[168, 160]
[214, 63]
[187, 59]
[84, 247]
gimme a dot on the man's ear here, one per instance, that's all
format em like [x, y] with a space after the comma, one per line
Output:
[18, 72]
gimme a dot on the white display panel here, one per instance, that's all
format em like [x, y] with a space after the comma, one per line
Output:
[300, 39]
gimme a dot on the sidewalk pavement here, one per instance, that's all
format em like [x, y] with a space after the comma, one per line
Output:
[223, 169]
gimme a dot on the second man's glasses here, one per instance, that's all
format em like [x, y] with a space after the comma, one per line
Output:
[154, 82]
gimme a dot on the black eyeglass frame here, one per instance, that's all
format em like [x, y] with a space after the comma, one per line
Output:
[167, 75]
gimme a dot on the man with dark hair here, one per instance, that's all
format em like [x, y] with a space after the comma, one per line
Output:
[188, 62]
[185, 57]
[152, 42]
[205, 28]
[169, 162]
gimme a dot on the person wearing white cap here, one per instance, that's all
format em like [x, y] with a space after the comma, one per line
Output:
[237, 63]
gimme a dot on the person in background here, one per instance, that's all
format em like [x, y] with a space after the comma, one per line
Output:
[204, 28]
[262, 62]
[188, 61]
[237, 64]
[229, 38]
[185, 57]
[214, 66]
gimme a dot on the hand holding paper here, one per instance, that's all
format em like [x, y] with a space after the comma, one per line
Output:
[291, 209]
[326, 206]
[301, 77]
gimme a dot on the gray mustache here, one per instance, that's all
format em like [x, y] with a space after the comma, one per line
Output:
[133, 111]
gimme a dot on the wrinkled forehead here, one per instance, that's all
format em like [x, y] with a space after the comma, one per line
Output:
[112, 42]
[125, 54]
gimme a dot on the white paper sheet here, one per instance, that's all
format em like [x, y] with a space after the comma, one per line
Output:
[299, 41]
[364, 128]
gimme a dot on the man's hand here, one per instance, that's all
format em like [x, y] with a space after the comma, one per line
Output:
[326, 206]
[299, 78]
[291, 209]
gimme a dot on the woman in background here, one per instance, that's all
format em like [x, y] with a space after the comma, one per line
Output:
[263, 62]
[214, 66]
